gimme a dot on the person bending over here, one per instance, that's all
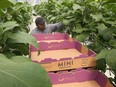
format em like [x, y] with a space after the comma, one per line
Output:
[42, 27]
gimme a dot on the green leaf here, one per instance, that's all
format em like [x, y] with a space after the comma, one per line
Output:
[20, 59]
[75, 35]
[111, 59]
[102, 54]
[76, 6]
[66, 22]
[107, 36]
[9, 25]
[101, 65]
[9, 54]
[53, 18]
[101, 27]
[26, 74]
[4, 59]
[96, 16]
[22, 37]
[5, 3]
[13, 1]
[83, 36]
[109, 1]
[25, 48]
[113, 23]
[78, 29]
[21, 6]
[112, 43]
[98, 46]
[19, 47]
[38, 52]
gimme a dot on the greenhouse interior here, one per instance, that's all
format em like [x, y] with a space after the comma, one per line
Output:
[58, 43]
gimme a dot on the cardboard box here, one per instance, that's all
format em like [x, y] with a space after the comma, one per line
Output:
[79, 78]
[55, 56]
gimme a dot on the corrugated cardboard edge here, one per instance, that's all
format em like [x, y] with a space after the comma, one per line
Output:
[70, 39]
[108, 84]
[84, 50]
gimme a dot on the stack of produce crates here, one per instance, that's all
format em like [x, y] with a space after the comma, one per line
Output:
[67, 61]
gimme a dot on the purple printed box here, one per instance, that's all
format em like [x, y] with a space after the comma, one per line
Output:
[79, 78]
[63, 55]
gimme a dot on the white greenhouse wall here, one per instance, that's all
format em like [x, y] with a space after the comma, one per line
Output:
[32, 2]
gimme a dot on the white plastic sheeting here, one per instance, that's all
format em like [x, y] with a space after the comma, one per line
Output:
[32, 2]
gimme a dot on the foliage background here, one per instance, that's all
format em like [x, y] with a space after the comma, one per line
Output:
[92, 22]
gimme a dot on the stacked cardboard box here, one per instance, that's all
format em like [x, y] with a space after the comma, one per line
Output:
[59, 52]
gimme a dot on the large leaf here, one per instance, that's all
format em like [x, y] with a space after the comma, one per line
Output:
[113, 23]
[98, 47]
[111, 59]
[18, 47]
[66, 22]
[53, 18]
[107, 36]
[21, 6]
[25, 74]
[97, 16]
[22, 37]
[83, 36]
[102, 54]
[8, 25]
[109, 1]
[9, 54]
[76, 6]
[101, 27]
[101, 65]
[20, 59]
[13, 1]
[3, 58]
[112, 43]
[5, 3]
[78, 29]
[101, 60]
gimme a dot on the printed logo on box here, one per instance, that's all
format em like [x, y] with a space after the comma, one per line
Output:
[84, 62]
[54, 46]
[65, 64]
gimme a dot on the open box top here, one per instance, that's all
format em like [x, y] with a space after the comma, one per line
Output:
[63, 55]
[45, 46]
[79, 78]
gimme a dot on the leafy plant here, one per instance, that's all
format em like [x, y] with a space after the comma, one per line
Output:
[14, 28]
[15, 69]
[92, 22]
[19, 71]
